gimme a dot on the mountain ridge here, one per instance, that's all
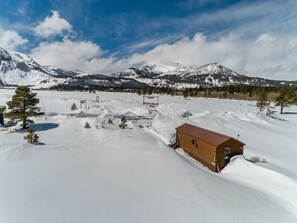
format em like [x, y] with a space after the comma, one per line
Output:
[20, 69]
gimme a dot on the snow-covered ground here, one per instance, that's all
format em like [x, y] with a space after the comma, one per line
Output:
[131, 175]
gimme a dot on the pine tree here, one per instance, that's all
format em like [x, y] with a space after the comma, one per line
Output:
[186, 93]
[31, 137]
[287, 96]
[23, 105]
[262, 99]
[150, 91]
[123, 122]
[73, 107]
[87, 125]
[138, 91]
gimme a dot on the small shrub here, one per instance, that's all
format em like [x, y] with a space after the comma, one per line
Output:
[258, 159]
[264, 160]
[73, 107]
[123, 122]
[31, 137]
[255, 159]
[87, 125]
[110, 122]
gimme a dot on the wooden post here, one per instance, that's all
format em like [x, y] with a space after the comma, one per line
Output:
[83, 102]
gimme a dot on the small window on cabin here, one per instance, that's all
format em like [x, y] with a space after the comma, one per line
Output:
[193, 141]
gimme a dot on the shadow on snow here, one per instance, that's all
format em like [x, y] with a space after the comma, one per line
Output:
[44, 126]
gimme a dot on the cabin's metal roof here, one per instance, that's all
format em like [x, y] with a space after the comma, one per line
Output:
[206, 135]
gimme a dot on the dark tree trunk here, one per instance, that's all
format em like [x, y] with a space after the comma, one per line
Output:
[282, 109]
[24, 123]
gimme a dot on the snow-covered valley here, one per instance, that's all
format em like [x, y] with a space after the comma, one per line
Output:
[130, 175]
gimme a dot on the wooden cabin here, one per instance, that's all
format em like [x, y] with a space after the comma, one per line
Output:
[2, 110]
[212, 149]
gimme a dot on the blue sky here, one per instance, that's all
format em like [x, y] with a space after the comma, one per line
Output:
[252, 37]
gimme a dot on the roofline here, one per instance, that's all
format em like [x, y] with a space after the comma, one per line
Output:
[237, 141]
[216, 133]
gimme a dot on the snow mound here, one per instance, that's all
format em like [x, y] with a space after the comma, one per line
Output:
[267, 181]
[170, 109]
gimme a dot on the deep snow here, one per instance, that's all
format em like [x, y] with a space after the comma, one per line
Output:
[113, 175]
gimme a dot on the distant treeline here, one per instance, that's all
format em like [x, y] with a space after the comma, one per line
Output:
[245, 92]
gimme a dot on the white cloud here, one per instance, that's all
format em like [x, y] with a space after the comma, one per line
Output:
[53, 25]
[10, 39]
[73, 55]
[269, 55]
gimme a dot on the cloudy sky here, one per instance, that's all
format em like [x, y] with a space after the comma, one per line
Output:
[252, 37]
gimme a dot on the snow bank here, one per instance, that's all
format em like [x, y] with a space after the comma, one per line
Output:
[274, 184]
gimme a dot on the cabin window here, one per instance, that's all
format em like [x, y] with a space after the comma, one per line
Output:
[227, 152]
[194, 143]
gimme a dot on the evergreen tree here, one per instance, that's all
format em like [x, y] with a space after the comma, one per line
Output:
[31, 137]
[144, 92]
[23, 105]
[150, 91]
[138, 91]
[73, 107]
[287, 96]
[123, 122]
[186, 93]
[262, 99]
[87, 125]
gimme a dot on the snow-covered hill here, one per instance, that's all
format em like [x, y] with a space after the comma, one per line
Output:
[113, 175]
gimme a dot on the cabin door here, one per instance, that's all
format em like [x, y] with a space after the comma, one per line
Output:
[227, 155]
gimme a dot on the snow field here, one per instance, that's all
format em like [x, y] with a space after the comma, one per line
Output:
[113, 175]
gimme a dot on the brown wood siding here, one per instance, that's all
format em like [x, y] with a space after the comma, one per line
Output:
[236, 148]
[204, 152]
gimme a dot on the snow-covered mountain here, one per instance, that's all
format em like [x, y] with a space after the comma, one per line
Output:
[20, 69]
[210, 75]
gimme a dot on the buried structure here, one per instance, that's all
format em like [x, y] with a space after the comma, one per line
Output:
[212, 149]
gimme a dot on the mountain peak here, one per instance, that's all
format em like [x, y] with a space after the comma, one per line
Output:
[217, 69]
